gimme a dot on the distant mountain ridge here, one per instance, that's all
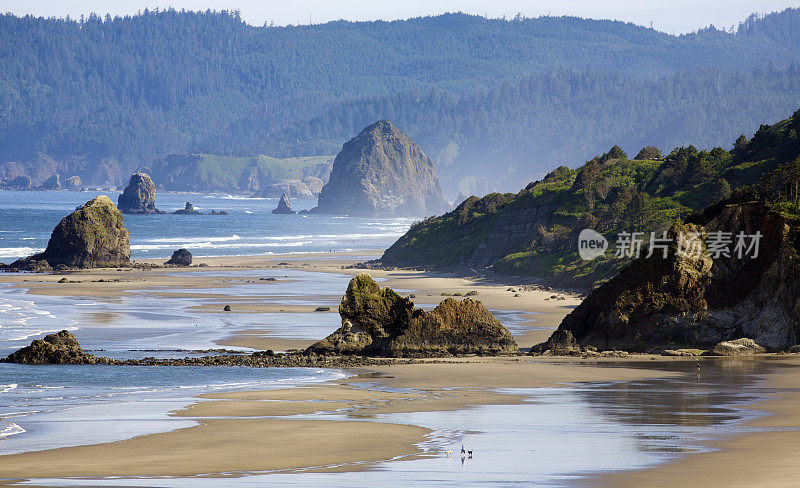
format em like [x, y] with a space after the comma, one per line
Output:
[108, 95]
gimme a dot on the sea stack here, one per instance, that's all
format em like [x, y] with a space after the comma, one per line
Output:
[74, 183]
[382, 173]
[93, 236]
[188, 209]
[139, 196]
[696, 300]
[378, 322]
[284, 207]
[52, 183]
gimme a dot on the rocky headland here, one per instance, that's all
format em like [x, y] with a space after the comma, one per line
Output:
[698, 301]
[93, 236]
[382, 172]
[139, 197]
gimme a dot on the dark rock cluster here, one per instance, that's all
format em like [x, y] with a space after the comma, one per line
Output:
[139, 197]
[378, 322]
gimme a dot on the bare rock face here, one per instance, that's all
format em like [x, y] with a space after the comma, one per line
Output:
[378, 322]
[284, 207]
[93, 236]
[74, 183]
[60, 348]
[181, 257]
[699, 301]
[52, 183]
[291, 188]
[139, 196]
[382, 172]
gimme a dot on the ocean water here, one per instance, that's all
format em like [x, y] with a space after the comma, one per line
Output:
[28, 217]
[46, 407]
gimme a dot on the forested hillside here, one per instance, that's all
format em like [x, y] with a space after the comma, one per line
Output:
[535, 232]
[516, 95]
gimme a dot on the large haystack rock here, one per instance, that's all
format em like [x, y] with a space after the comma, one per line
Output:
[139, 196]
[382, 172]
[378, 322]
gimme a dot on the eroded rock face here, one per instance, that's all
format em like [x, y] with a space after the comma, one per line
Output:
[684, 301]
[284, 207]
[377, 321]
[93, 236]
[382, 172]
[74, 183]
[181, 257]
[139, 196]
[52, 183]
[60, 348]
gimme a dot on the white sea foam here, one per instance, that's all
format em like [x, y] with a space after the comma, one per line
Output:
[8, 387]
[18, 252]
[7, 430]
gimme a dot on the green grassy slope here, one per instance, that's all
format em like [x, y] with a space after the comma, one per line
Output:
[535, 232]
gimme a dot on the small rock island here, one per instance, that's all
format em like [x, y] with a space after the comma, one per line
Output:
[284, 207]
[139, 197]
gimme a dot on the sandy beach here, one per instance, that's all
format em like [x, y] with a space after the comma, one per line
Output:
[236, 432]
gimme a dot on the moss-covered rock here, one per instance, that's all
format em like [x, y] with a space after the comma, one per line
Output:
[93, 236]
[377, 321]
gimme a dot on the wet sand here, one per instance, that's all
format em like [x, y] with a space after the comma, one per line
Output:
[233, 436]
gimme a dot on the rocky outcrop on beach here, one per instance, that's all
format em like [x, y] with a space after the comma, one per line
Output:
[63, 348]
[60, 348]
[699, 299]
[382, 172]
[93, 236]
[188, 209]
[139, 196]
[378, 322]
[284, 207]
[181, 257]
[52, 183]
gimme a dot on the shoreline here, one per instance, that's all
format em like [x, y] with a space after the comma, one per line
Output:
[234, 419]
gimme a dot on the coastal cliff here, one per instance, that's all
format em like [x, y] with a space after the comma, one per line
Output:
[382, 172]
[699, 300]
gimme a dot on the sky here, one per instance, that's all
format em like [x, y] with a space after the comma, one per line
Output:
[671, 16]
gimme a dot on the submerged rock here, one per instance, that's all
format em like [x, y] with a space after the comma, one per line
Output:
[284, 206]
[181, 257]
[696, 300]
[377, 321]
[93, 236]
[139, 196]
[382, 172]
[187, 210]
[60, 348]
[219, 212]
